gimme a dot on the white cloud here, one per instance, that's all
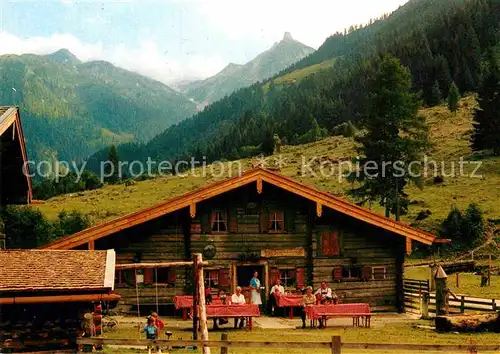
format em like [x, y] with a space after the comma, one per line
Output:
[145, 59]
[310, 22]
[12, 44]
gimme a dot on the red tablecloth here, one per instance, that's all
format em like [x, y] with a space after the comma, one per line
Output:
[318, 311]
[186, 301]
[290, 301]
[247, 310]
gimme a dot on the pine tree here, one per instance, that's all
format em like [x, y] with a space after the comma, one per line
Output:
[112, 167]
[436, 95]
[453, 98]
[395, 136]
[486, 131]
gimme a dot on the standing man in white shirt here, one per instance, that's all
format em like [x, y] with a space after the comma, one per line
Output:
[238, 299]
[276, 291]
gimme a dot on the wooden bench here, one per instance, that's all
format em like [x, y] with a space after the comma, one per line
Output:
[360, 313]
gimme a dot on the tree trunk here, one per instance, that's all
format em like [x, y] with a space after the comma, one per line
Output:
[469, 323]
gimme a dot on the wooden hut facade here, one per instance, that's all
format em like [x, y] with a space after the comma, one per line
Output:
[259, 221]
[15, 184]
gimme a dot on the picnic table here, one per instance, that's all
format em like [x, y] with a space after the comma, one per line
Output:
[291, 301]
[248, 311]
[356, 311]
[185, 303]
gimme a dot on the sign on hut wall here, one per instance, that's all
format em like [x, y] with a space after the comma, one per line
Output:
[293, 252]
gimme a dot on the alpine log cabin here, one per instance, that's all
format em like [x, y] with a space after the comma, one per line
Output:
[15, 185]
[259, 221]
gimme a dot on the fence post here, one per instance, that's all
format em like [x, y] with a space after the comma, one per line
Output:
[336, 345]
[223, 350]
[424, 306]
[428, 286]
[493, 304]
[462, 304]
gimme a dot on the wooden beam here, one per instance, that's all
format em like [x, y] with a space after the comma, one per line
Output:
[259, 185]
[91, 245]
[192, 210]
[319, 209]
[155, 265]
[408, 246]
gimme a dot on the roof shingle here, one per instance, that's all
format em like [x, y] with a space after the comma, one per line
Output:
[25, 270]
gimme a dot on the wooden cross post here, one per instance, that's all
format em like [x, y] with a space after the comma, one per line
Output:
[196, 276]
[201, 296]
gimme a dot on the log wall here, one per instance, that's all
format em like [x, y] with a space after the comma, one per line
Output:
[174, 237]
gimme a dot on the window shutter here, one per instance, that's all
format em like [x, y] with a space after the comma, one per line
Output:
[172, 275]
[301, 278]
[263, 221]
[224, 277]
[289, 220]
[206, 227]
[330, 243]
[148, 275]
[275, 275]
[337, 273]
[367, 273]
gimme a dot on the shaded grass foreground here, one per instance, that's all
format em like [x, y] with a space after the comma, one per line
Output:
[400, 333]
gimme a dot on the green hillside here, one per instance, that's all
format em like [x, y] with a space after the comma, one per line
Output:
[449, 134]
[440, 41]
[72, 109]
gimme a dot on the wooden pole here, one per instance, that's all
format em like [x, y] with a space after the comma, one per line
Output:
[224, 350]
[202, 301]
[196, 276]
[458, 285]
[336, 345]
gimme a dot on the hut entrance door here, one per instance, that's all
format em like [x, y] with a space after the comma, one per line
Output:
[243, 276]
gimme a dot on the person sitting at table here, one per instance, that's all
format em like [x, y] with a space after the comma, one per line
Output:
[238, 299]
[222, 297]
[308, 300]
[276, 291]
[325, 295]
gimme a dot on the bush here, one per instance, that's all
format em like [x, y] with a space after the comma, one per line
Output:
[346, 129]
[466, 230]
[26, 227]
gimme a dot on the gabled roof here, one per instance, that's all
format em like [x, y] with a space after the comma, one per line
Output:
[56, 270]
[257, 175]
[10, 117]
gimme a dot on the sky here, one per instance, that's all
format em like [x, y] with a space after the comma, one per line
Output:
[175, 40]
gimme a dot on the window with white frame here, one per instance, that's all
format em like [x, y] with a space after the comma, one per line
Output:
[288, 278]
[211, 278]
[276, 221]
[378, 273]
[219, 223]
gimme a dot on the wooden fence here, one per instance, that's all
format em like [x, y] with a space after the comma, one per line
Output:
[335, 345]
[414, 291]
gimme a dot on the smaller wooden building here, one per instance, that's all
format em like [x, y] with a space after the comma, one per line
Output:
[259, 221]
[45, 293]
[15, 183]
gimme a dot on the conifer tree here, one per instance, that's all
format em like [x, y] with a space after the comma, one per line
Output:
[486, 131]
[453, 98]
[112, 167]
[436, 95]
[395, 136]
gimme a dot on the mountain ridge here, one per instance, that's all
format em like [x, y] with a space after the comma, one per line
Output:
[235, 76]
[71, 109]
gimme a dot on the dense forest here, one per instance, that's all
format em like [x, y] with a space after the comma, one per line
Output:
[71, 109]
[440, 41]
